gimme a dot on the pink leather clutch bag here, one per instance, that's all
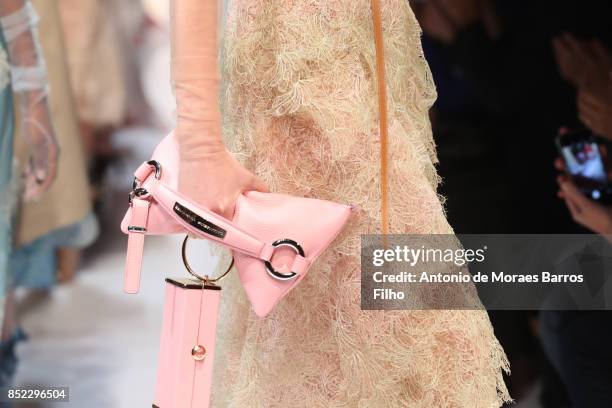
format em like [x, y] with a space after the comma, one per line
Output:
[274, 238]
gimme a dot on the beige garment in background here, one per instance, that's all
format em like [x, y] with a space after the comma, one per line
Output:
[95, 61]
[68, 201]
[129, 19]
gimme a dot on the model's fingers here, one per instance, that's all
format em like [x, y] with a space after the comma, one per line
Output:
[259, 185]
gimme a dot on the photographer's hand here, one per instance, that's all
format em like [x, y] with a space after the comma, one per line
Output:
[585, 64]
[596, 113]
[586, 212]
[444, 19]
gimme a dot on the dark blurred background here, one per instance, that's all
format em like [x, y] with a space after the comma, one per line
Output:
[510, 76]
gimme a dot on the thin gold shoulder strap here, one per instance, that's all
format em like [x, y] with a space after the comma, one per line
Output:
[382, 106]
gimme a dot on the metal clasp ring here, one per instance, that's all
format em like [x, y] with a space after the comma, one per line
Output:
[138, 191]
[291, 244]
[205, 278]
[158, 172]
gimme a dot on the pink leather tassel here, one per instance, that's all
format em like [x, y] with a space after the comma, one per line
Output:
[136, 235]
[187, 349]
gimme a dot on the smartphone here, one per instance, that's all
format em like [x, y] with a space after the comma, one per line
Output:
[585, 164]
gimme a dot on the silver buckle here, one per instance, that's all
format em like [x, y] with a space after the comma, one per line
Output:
[137, 193]
[276, 274]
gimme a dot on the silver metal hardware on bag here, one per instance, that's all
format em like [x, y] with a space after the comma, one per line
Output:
[288, 243]
[205, 278]
[137, 190]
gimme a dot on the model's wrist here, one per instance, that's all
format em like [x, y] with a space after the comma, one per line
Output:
[198, 131]
[197, 145]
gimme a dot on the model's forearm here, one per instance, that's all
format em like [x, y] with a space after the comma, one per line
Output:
[195, 74]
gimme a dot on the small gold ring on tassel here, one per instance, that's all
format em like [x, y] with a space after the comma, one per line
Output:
[205, 278]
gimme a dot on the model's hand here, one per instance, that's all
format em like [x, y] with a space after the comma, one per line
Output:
[586, 212]
[215, 181]
[596, 112]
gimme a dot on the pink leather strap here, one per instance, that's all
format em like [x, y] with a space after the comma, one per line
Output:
[204, 223]
[136, 235]
[300, 264]
[143, 171]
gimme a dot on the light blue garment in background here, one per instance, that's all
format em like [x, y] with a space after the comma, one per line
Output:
[34, 266]
[7, 193]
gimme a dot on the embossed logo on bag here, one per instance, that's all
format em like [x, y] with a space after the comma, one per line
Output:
[198, 222]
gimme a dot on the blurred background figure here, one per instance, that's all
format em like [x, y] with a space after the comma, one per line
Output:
[578, 343]
[509, 75]
[98, 55]
[42, 232]
[25, 74]
[50, 229]
[96, 64]
[8, 194]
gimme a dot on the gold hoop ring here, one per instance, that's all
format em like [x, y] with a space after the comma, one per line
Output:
[204, 278]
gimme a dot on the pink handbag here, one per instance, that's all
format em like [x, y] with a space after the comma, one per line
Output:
[274, 238]
[292, 230]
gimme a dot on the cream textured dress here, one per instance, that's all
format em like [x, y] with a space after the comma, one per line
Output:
[300, 109]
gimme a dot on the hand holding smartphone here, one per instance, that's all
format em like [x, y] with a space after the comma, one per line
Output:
[585, 164]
